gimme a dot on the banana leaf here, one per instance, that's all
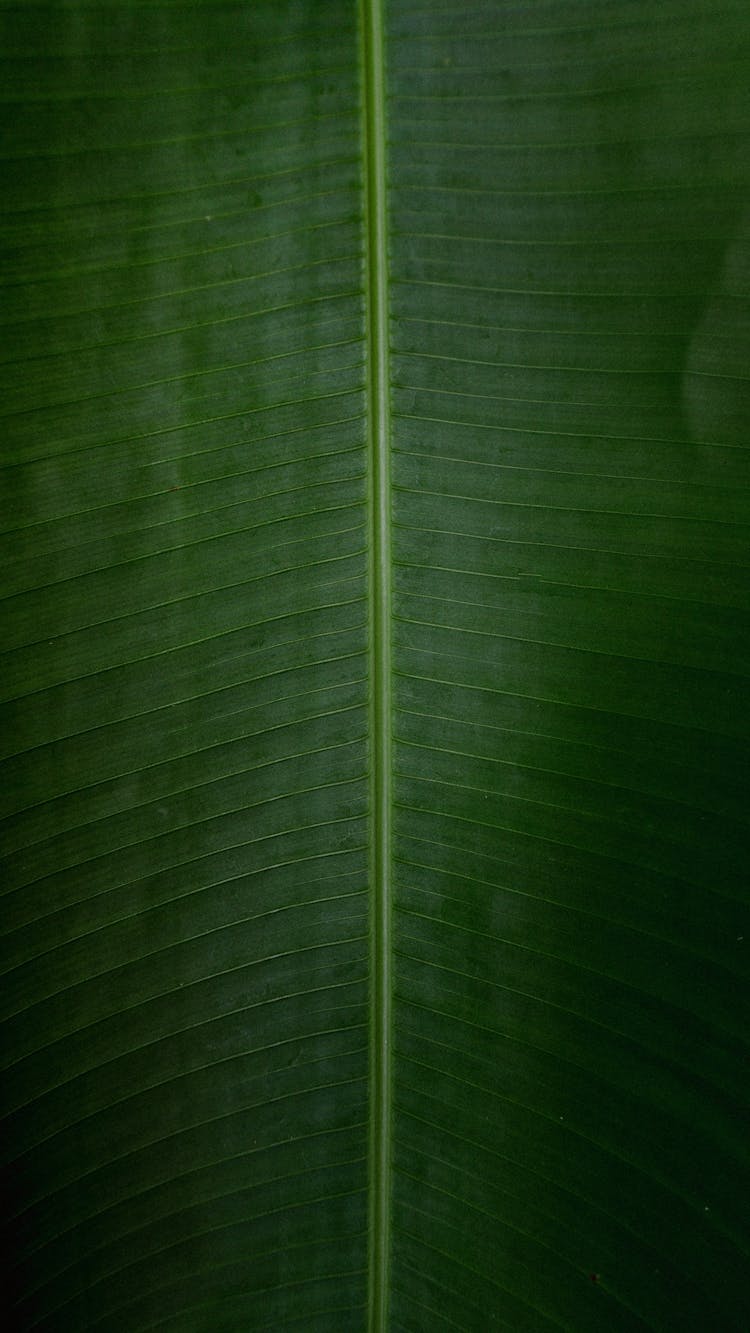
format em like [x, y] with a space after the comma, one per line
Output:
[375, 652]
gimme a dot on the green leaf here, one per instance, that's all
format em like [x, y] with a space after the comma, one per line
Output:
[374, 804]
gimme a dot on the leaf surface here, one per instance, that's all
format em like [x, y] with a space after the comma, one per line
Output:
[375, 560]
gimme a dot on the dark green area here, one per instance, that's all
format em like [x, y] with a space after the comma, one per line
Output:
[185, 785]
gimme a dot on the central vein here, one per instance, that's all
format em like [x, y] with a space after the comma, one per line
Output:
[373, 66]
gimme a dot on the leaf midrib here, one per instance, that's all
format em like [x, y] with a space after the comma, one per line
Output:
[379, 601]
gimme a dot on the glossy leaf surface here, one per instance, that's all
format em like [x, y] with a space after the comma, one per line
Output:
[285, 568]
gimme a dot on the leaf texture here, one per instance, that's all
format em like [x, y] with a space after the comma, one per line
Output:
[375, 477]
[569, 379]
[186, 786]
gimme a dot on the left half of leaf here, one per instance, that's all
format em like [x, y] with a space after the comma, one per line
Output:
[185, 777]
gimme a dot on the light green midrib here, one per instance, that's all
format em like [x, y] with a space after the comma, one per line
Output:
[379, 429]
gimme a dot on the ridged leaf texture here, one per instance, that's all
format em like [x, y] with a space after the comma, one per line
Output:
[375, 578]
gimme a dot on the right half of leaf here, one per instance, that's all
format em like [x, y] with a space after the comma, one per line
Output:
[569, 247]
